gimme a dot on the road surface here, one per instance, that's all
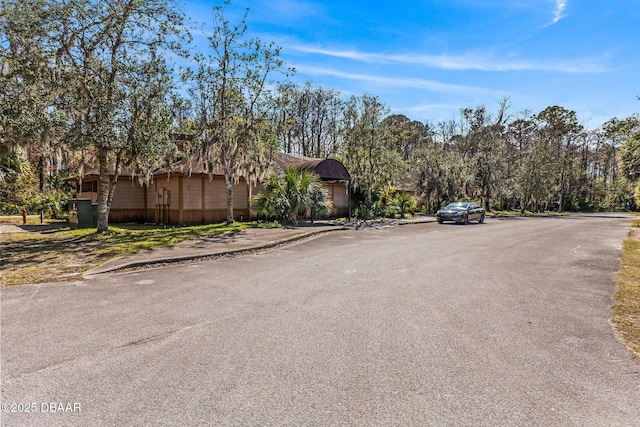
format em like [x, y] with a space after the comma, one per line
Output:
[500, 324]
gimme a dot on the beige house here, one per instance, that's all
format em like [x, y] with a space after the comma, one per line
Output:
[334, 176]
[175, 196]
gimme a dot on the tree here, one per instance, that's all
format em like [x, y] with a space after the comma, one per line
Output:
[30, 85]
[533, 184]
[405, 136]
[17, 181]
[628, 131]
[281, 116]
[443, 172]
[121, 86]
[558, 128]
[228, 90]
[484, 146]
[314, 115]
[95, 74]
[431, 170]
[369, 161]
[259, 157]
[290, 193]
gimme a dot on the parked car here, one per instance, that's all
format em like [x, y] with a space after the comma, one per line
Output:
[461, 212]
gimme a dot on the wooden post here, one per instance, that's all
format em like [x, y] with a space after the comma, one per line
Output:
[202, 201]
[180, 202]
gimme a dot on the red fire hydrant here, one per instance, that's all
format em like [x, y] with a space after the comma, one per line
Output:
[24, 216]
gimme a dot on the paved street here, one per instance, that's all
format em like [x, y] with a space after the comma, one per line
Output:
[500, 324]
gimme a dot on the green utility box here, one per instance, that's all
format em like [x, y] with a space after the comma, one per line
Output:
[83, 213]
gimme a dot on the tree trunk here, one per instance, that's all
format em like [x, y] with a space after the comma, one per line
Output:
[103, 200]
[41, 183]
[561, 192]
[229, 181]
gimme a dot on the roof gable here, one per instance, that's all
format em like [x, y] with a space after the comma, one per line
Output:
[327, 169]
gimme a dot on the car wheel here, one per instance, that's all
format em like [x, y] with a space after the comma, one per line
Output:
[440, 221]
[481, 220]
[465, 219]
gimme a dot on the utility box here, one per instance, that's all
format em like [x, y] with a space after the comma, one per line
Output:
[83, 213]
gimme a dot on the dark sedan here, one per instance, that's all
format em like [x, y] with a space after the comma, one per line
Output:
[461, 212]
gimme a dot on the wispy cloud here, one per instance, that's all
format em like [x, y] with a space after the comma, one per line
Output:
[469, 61]
[393, 81]
[558, 13]
[432, 107]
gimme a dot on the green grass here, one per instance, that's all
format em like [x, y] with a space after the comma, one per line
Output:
[626, 299]
[63, 254]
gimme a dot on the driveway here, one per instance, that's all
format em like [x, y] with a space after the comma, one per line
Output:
[504, 323]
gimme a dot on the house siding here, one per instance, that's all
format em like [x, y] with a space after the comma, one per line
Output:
[128, 195]
[176, 198]
[204, 200]
[215, 195]
[338, 195]
[192, 193]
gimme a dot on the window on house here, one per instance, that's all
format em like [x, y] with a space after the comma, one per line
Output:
[89, 187]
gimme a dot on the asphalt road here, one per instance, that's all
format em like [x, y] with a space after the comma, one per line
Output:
[500, 324]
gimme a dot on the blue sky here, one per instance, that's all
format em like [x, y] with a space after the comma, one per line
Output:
[427, 59]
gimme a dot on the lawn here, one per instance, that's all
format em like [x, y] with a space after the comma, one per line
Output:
[63, 254]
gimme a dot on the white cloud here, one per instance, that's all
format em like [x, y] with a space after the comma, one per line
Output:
[558, 13]
[429, 109]
[393, 81]
[469, 61]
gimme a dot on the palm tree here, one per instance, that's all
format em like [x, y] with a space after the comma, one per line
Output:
[269, 202]
[313, 197]
[404, 203]
[292, 192]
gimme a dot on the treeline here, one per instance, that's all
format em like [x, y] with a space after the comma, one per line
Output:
[88, 85]
[533, 161]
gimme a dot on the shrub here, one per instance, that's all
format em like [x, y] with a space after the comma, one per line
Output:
[53, 203]
[291, 193]
[404, 203]
[364, 211]
[8, 208]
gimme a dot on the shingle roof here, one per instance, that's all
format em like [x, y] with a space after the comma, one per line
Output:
[185, 166]
[328, 169]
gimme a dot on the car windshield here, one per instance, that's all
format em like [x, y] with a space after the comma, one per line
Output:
[455, 206]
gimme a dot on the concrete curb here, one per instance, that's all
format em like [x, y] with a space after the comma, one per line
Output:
[135, 265]
[147, 263]
[417, 221]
